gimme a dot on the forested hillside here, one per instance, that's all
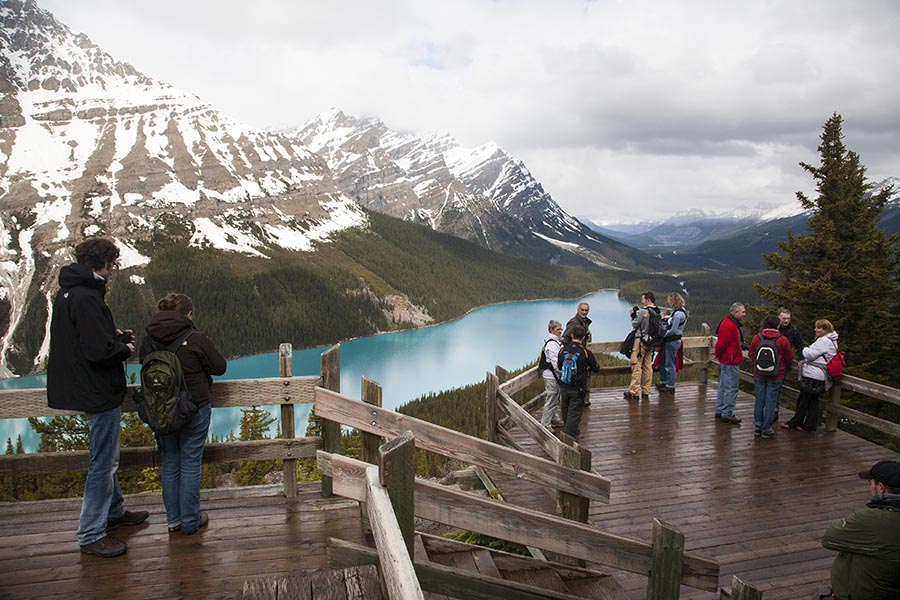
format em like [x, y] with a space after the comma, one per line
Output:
[250, 304]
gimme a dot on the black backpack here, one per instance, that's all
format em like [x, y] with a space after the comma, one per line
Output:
[543, 365]
[656, 331]
[767, 362]
[163, 400]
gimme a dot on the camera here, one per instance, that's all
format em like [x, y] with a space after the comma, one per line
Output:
[126, 337]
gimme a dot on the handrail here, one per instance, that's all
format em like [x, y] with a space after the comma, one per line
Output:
[438, 503]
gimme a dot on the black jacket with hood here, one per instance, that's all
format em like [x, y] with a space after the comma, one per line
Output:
[85, 369]
[199, 358]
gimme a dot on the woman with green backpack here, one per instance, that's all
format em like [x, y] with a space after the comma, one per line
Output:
[182, 450]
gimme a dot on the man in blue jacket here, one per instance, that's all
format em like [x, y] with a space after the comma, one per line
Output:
[85, 373]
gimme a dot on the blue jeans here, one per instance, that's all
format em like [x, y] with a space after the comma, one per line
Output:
[182, 455]
[667, 374]
[768, 391]
[729, 377]
[102, 495]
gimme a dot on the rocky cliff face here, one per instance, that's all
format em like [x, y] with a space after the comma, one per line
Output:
[482, 194]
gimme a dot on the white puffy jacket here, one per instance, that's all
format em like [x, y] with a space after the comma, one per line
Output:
[817, 355]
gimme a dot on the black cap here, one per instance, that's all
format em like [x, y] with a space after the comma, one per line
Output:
[884, 471]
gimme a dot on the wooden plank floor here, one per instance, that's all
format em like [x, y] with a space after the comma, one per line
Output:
[253, 532]
[758, 506]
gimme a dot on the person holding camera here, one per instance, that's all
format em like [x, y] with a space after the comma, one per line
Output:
[85, 372]
[642, 352]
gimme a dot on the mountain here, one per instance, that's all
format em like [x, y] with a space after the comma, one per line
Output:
[696, 239]
[482, 194]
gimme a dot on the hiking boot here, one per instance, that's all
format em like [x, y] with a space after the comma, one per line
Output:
[768, 433]
[630, 396]
[174, 528]
[757, 432]
[204, 521]
[105, 547]
[718, 415]
[127, 518]
[645, 396]
[730, 419]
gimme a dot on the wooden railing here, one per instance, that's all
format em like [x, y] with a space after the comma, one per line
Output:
[285, 391]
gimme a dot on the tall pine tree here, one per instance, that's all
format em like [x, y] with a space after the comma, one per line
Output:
[846, 270]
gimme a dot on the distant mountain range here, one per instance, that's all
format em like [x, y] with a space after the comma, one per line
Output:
[714, 241]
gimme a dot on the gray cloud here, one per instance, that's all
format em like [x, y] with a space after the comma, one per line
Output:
[620, 108]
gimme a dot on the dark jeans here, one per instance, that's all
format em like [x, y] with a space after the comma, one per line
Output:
[808, 413]
[572, 403]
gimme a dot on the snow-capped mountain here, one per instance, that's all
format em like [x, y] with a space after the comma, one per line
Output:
[89, 145]
[482, 194]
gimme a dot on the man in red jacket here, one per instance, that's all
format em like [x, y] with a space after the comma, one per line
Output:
[770, 352]
[729, 353]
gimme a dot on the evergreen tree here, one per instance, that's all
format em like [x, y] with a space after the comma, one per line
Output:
[9, 446]
[20, 447]
[61, 434]
[255, 422]
[846, 270]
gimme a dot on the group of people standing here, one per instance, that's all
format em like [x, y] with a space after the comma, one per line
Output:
[645, 344]
[85, 372]
[778, 333]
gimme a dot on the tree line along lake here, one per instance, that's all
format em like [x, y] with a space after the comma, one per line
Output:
[407, 364]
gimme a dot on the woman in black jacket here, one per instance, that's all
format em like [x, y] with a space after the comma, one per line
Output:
[182, 451]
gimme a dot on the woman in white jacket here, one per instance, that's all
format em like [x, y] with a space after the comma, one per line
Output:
[814, 378]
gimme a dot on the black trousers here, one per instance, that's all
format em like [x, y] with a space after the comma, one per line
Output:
[572, 405]
[808, 412]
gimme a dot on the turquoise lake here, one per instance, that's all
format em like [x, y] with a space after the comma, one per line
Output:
[407, 364]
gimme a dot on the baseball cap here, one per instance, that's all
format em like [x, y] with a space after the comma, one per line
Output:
[884, 471]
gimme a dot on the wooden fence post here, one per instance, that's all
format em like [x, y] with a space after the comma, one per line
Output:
[707, 355]
[331, 431]
[370, 393]
[568, 505]
[501, 373]
[740, 591]
[834, 400]
[492, 385]
[665, 564]
[397, 473]
[288, 465]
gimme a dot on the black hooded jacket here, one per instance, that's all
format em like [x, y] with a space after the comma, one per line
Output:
[85, 369]
[199, 358]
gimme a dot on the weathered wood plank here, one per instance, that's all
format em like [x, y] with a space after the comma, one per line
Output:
[864, 418]
[491, 385]
[330, 362]
[396, 563]
[397, 473]
[289, 466]
[463, 585]
[21, 404]
[44, 463]
[547, 441]
[460, 446]
[665, 568]
[362, 583]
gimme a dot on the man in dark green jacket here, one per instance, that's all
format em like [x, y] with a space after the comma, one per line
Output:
[868, 564]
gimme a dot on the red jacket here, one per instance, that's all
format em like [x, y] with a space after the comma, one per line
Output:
[728, 343]
[782, 344]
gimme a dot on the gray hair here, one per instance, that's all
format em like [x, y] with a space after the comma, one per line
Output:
[553, 325]
[736, 307]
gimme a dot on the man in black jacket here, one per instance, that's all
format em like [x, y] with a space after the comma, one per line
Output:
[580, 319]
[85, 373]
[575, 364]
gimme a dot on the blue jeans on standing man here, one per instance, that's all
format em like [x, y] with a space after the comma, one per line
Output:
[768, 391]
[729, 378]
[667, 375]
[182, 457]
[103, 499]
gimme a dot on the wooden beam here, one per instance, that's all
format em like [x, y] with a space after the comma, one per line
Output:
[521, 381]
[453, 444]
[518, 415]
[665, 567]
[527, 527]
[491, 385]
[370, 393]
[864, 418]
[457, 583]
[330, 362]
[397, 473]
[288, 466]
[21, 404]
[396, 563]
[44, 463]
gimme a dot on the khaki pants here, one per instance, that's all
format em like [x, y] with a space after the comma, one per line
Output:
[641, 368]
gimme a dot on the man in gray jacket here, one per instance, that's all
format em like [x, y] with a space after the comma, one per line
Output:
[642, 353]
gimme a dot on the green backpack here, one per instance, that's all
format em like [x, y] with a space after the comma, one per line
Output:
[163, 401]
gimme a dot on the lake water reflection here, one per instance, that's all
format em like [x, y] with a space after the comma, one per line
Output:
[409, 364]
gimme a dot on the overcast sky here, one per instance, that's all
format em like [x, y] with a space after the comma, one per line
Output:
[624, 110]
